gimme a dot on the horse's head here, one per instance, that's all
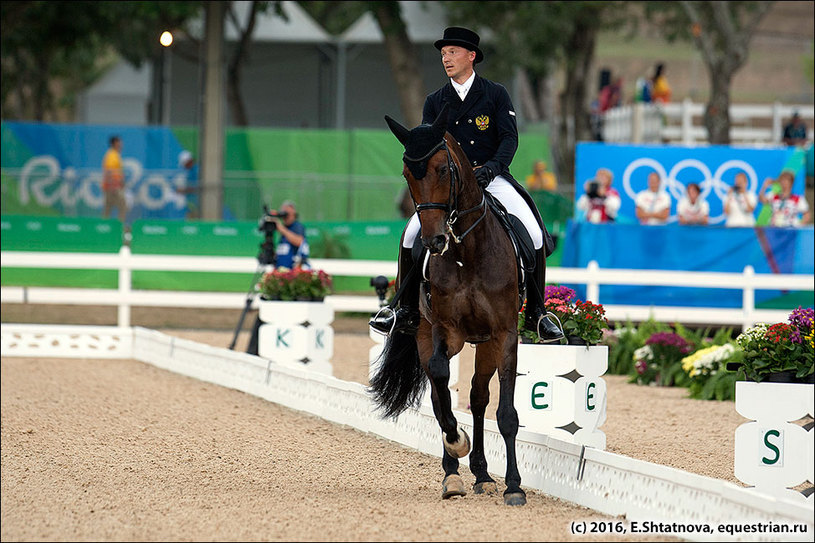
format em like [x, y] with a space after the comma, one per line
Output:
[432, 174]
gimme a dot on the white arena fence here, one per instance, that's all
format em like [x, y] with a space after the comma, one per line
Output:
[609, 483]
[592, 276]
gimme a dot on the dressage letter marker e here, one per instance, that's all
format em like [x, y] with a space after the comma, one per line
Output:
[539, 390]
[590, 403]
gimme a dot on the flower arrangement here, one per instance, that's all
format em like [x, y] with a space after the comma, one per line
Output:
[287, 285]
[583, 321]
[781, 348]
[659, 360]
[708, 377]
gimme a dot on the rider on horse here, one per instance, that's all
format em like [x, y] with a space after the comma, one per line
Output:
[482, 119]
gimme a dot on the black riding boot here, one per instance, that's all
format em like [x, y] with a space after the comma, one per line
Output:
[535, 318]
[406, 318]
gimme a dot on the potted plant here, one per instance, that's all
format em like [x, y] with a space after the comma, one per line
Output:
[302, 285]
[780, 352]
[709, 378]
[582, 322]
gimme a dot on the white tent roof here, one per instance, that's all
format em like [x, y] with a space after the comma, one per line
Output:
[425, 21]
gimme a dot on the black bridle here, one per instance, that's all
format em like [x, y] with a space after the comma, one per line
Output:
[450, 207]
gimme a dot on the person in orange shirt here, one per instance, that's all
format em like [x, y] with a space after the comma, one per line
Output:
[660, 89]
[113, 179]
[541, 178]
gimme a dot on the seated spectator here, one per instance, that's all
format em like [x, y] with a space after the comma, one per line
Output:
[593, 203]
[692, 208]
[653, 204]
[740, 203]
[541, 178]
[660, 89]
[613, 201]
[795, 132]
[788, 209]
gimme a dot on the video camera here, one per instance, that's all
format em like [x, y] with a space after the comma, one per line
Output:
[266, 224]
[593, 189]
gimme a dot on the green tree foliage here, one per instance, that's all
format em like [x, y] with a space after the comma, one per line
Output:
[536, 40]
[722, 32]
[50, 50]
[335, 17]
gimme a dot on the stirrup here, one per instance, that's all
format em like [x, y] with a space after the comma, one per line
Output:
[559, 325]
[393, 313]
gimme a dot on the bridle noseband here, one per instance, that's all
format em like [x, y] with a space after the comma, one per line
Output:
[451, 206]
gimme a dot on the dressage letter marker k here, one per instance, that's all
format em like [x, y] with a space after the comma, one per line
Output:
[280, 341]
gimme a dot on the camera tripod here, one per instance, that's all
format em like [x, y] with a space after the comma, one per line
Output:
[267, 259]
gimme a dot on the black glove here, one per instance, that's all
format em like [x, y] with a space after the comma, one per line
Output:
[484, 176]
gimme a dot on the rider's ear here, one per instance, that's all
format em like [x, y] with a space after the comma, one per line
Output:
[398, 130]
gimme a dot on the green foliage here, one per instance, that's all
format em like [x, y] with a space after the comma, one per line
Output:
[625, 340]
[717, 382]
[330, 245]
[335, 17]
[67, 45]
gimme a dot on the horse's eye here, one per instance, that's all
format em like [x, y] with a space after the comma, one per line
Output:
[443, 170]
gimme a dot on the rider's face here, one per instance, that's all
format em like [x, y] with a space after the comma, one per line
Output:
[457, 62]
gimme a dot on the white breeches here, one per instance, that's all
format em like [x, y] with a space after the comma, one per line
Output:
[509, 197]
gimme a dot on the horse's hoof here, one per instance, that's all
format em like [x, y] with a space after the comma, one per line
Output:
[461, 447]
[453, 485]
[487, 487]
[515, 498]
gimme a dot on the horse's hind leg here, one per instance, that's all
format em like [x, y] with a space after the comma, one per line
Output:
[479, 399]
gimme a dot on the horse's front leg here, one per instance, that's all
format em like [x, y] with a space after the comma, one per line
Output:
[455, 439]
[485, 356]
[508, 419]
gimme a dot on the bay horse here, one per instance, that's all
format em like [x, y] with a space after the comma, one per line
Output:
[470, 295]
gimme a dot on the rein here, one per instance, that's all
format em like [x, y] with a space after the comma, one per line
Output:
[451, 206]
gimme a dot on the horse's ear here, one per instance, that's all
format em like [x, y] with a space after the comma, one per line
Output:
[440, 124]
[398, 130]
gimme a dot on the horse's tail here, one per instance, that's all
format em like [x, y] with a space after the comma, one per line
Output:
[398, 381]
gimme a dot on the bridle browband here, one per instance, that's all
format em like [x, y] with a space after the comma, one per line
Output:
[451, 206]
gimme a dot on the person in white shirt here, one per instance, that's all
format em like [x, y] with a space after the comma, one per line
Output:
[788, 209]
[740, 203]
[692, 208]
[653, 204]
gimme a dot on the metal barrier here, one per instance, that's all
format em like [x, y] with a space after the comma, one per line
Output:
[592, 276]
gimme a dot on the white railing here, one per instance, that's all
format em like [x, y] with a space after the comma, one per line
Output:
[592, 276]
[681, 122]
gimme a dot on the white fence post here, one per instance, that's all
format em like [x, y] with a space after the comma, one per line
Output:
[687, 122]
[593, 284]
[776, 133]
[124, 286]
[637, 115]
[748, 300]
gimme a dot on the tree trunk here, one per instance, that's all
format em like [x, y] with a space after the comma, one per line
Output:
[528, 102]
[403, 60]
[574, 125]
[717, 113]
[237, 107]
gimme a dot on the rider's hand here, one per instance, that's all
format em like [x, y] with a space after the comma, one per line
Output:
[484, 176]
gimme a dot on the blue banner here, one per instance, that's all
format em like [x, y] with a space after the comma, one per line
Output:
[58, 168]
[692, 248]
[713, 168]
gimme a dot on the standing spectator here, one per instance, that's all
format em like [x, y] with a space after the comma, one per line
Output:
[740, 203]
[541, 178]
[292, 249]
[788, 209]
[113, 180]
[795, 132]
[653, 204]
[613, 201]
[692, 208]
[660, 89]
[186, 184]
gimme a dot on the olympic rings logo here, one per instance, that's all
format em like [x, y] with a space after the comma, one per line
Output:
[677, 189]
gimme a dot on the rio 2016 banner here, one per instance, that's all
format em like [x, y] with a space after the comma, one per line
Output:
[713, 168]
[57, 170]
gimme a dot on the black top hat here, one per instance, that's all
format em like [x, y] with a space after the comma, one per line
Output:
[463, 37]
